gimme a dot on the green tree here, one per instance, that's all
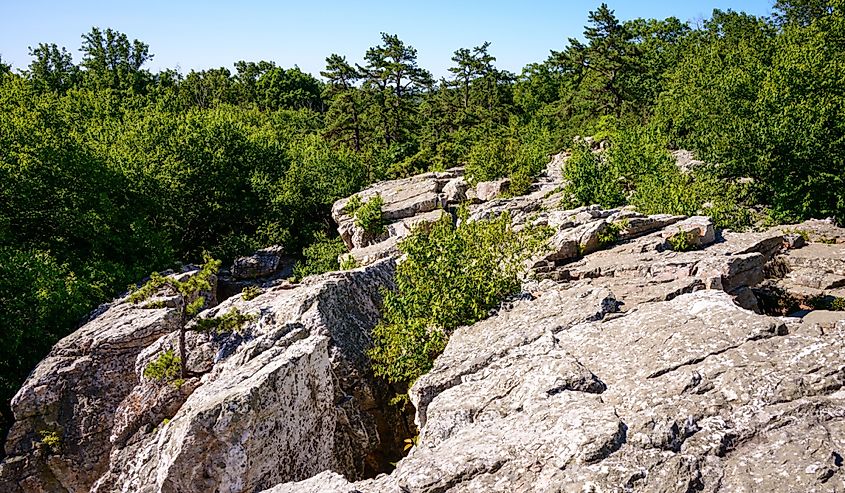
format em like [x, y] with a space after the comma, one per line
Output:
[394, 81]
[278, 88]
[343, 119]
[111, 61]
[191, 299]
[52, 69]
[5, 68]
[207, 88]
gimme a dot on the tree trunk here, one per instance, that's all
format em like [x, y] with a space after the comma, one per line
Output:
[183, 357]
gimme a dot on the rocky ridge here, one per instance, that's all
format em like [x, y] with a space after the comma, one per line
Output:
[623, 366]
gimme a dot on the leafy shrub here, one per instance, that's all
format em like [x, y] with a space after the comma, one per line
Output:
[591, 179]
[682, 241]
[451, 276]
[230, 322]
[165, 368]
[321, 256]
[518, 152]
[610, 234]
[368, 215]
[250, 293]
[636, 169]
[488, 160]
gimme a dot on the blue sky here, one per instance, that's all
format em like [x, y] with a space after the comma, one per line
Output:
[199, 35]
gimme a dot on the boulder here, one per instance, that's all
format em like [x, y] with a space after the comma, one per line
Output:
[489, 190]
[75, 393]
[263, 263]
[698, 231]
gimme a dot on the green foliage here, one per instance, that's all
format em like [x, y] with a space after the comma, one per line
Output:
[636, 169]
[513, 151]
[51, 439]
[682, 241]
[348, 262]
[411, 442]
[250, 293]
[591, 179]
[826, 302]
[321, 256]
[803, 233]
[369, 216]
[452, 276]
[609, 235]
[164, 368]
[230, 322]
[190, 289]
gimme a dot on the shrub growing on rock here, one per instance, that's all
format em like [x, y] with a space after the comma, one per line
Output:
[368, 215]
[230, 322]
[452, 276]
[165, 368]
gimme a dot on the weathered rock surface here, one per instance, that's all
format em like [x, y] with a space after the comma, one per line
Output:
[264, 262]
[623, 366]
[693, 394]
[633, 367]
[289, 395]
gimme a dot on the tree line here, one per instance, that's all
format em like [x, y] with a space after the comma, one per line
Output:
[109, 171]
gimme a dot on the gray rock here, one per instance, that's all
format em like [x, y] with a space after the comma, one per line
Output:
[263, 263]
[699, 231]
[455, 191]
[74, 392]
[293, 396]
[489, 190]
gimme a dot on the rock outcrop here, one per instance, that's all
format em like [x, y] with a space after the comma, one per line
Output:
[646, 353]
[612, 382]
[288, 395]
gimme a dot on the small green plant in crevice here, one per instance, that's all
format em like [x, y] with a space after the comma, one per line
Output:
[823, 302]
[165, 368]
[682, 241]
[411, 442]
[250, 293]
[51, 439]
[161, 425]
[352, 205]
[368, 215]
[610, 234]
[230, 322]
[803, 233]
[348, 262]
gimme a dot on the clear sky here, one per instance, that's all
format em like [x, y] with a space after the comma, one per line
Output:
[205, 34]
